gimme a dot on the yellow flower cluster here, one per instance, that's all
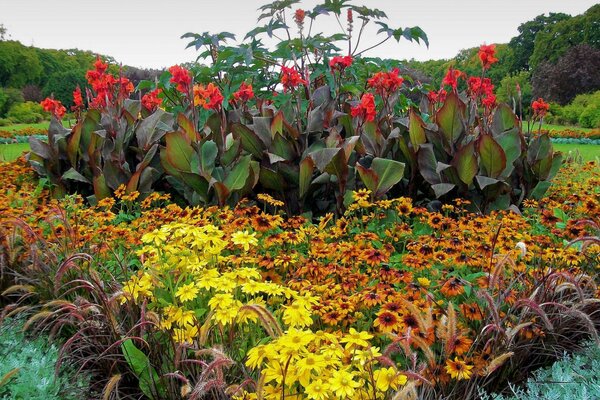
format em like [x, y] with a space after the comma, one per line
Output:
[302, 364]
[186, 280]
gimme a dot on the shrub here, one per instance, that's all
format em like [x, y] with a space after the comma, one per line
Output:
[590, 116]
[9, 97]
[573, 377]
[27, 113]
[27, 368]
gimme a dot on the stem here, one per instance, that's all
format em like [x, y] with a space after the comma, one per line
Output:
[375, 45]
[360, 32]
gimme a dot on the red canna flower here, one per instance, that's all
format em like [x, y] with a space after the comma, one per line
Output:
[100, 66]
[439, 96]
[209, 97]
[125, 88]
[339, 63]
[244, 93]
[181, 77]
[150, 101]
[53, 106]
[290, 78]
[385, 83]
[366, 108]
[489, 101]
[451, 77]
[77, 99]
[299, 16]
[540, 108]
[477, 87]
[487, 55]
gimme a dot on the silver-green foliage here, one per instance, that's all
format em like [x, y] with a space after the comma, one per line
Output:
[27, 369]
[573, 377]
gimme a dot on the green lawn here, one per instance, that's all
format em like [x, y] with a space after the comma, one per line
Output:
[552, 128]
[588, 152]
[40, 125]
[10, 152]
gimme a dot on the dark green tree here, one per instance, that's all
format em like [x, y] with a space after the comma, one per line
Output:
[62, 84]
[576, 72]
[523, 44]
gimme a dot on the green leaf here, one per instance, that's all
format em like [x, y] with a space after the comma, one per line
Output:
[187, 126]
[238, 175]
[390, 172]
[270, 179]
[511, 144]
[209, 152]
[149, 380]
[179, 152]
[441, 189]
[307, 167]
[416, 129]
[428, 164]
[151, 129]
[491, 155]
[540, 189]
[101, 189]
[450, 118]
[465, 163]
[504, 120]
[539, 148]
[73, 144]
[250, 141]
[73, 175]
[382, 176]
[277, 124]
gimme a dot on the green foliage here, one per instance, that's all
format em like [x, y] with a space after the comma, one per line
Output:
[590, 117]
[523, 44]
[62, 84]
[583, 111]
[27, 368]
[507, 91]
[9, 97]
[104, 150]
[573, 377]
[552, 43]
[28, 112]
[19, 65]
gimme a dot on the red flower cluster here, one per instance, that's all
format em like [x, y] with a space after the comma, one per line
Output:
[209, 97]
[435, 97]
[451, 78]
[366, 108]
[104, 85]
[299, 16]
[77, 99]
[540, 107]
[340, 63]
[487, 55]
[349, 16]
[290, 78]
[244, 93]
[385, 83]
[181, 77]
[53, 106]
[150, 101]
[484, 89]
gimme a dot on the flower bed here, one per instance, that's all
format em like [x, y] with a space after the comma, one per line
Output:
[388, 298]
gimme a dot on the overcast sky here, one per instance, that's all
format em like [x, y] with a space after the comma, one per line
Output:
[147, 33]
